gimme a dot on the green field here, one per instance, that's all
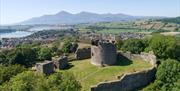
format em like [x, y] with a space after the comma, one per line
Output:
[88, 74]
[117, 31]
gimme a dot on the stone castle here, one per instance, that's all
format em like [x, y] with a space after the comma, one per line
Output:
[104, 53]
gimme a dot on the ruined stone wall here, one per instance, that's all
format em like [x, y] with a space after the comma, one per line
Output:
[47, 67]
[103, 54]
[148, 57]
[61, 63]
[128, 82]
[83, 53]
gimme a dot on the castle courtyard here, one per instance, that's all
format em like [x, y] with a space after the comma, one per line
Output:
[89, 75]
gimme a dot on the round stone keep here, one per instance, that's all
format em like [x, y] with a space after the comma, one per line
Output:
[103, 54]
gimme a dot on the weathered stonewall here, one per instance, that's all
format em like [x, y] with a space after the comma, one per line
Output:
[47, 67]
[61, 63]
[128, 82]
[148, 57]
[83, 53]
[103, 53]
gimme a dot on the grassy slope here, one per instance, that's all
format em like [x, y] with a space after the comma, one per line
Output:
[89, 75]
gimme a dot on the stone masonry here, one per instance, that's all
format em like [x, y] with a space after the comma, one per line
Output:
[103, 53]
[47, 67]
[61, 63]
[128, 82]
[83, 53]
[148, 57]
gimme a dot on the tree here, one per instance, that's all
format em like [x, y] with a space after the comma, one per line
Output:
[26, 81]
[3, 59]
[63, 82]
[67, 46]
[133, 45]
[31, 81]
[54, 48]
[56, 51]
[164, 46]
[6, 72]
[167, 77]
[45, 54]
[22, 55]
[119, 44]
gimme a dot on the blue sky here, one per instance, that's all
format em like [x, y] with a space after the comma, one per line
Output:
[13, 11]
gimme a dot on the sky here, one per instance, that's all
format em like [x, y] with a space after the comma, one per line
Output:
[14, 11]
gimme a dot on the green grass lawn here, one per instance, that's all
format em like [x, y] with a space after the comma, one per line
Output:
[88, 74]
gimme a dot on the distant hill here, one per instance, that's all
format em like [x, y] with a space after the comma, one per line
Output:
[64, 17]
[171, 20]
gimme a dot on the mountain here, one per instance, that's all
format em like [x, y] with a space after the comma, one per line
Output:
[64, 17]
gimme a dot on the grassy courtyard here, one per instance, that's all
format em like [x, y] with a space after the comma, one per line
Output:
[88, 74]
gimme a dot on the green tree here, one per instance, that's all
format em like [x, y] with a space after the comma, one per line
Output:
[167, 77]
[164, 46]
[26, 81]
[66, 48]
[56, 51]
[63, 82]
[45, 53]
[6, 72]
[31, 81]
[3, 59]
[133, 45]
[119, 44]
[22, 55]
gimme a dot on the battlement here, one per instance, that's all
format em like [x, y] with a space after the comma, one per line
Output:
[96, 42]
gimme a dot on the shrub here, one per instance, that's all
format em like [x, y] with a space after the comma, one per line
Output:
[6, 72]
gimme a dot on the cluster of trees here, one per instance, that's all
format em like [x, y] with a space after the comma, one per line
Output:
[26, 55]
[14, 75]
[69, 47]
[167, 77]
[164, 47]
[21, 55]
[133, 45]
[31, 81]
[69, 44]
[6, 72]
